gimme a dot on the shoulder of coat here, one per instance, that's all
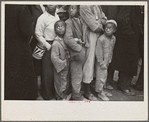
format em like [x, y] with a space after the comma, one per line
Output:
[55, 43]
[101, 38]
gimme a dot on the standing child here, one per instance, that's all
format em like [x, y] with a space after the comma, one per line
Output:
[74, 40]
[59, 58]
[104, 52]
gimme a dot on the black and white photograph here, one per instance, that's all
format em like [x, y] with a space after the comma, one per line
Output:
[67, 60]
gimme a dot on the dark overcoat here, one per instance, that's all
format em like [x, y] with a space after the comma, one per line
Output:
[125, 55]
[20, 83]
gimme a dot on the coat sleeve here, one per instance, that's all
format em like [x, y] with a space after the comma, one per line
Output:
[70, 40]
[26, 22]
[99, 51]
[88, 17]
[55, 58]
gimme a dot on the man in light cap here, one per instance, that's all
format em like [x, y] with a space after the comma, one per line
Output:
[103, 53]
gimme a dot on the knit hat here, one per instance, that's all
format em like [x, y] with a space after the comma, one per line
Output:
[112, 21]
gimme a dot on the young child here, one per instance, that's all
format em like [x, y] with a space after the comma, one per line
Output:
[60, 60]
[74, 40]
[104, 52]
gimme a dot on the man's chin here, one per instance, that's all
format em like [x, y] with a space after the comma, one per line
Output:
[52, 10]
[61, 35]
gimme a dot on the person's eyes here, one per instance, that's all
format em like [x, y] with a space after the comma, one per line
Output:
[73, 8]
[60, 27]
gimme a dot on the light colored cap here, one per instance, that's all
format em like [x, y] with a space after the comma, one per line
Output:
[61, 10]
[112, 21]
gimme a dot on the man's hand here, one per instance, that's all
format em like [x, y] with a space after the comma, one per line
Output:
[99, 29]
[103, 65]
[103, 21]
[48, 46]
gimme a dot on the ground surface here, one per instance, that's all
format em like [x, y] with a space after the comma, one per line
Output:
[117, 94]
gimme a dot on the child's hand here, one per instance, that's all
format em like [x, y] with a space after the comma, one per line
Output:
[76, 39]
[79, 41]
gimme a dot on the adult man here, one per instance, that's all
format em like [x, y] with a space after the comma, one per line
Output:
[93, 21]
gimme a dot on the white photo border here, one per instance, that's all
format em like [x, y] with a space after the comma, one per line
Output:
[75, 111]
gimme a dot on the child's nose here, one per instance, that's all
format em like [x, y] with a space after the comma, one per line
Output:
[108, 29]
[60, 28]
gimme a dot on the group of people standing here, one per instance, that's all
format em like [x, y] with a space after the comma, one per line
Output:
[71, 48]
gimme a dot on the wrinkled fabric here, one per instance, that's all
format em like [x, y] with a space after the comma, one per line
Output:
[88, 68]
[104, 52]
[125, 54]
[101, 77]
[104, 49]
[20, 82]
[59, 55]
[77, 54]
[69, 38]
[92, 17]
[60, 60]
[47, 79]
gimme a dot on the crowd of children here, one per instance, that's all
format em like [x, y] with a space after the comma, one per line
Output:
[74, 47]
[73, 52]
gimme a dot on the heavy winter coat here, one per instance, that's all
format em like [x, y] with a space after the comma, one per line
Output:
[20, 82]
[125, 55]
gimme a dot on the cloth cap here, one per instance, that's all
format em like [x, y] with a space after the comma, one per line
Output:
[112, 21]
[61, 10]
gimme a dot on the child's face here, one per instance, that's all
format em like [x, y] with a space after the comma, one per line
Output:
[110, 29]
[73, 10]
[60, 28]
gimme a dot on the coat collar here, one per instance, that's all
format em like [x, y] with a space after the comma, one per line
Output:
[61, 41]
